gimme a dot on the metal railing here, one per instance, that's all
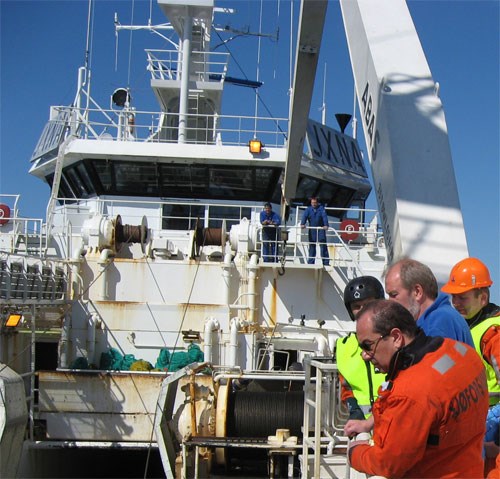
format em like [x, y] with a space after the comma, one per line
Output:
[157, 127]
[205, 66]
[23, 282]
[324, 416]
[166, 217]
[18, 233]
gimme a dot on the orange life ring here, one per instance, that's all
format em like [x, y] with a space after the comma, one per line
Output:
[4, 214]
[349, 229]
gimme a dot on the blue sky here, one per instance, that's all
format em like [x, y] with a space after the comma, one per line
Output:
[42, 45]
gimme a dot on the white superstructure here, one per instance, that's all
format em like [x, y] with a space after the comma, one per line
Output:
[151, 252]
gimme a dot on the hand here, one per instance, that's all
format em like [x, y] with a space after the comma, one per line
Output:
[302, 226]
[325, 227]
[356, 426]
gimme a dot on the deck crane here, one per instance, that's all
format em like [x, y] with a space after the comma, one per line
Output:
[404, 127]
[311, 22]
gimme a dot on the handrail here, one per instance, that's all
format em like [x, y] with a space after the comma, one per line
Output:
[166, 64]
[134, 125]
[205, 215]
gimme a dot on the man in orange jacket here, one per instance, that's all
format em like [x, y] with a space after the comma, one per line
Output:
[429, 419]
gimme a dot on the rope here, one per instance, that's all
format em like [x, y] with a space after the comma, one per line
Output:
[259, 414]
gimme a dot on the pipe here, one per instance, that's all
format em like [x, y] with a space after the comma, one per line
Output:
[329, 448]
[282, 376]
[63, 344]
[78, 100]
[192, 393]
[76, 261]
[104, 259]
[253, 267]
[184, 94]
[91, 326]
[233, 341]
[226, 275]
[211, 325]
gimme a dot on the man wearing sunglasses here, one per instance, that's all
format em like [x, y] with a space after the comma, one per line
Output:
[430, 413]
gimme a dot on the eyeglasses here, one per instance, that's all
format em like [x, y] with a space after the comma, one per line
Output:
[367, 345]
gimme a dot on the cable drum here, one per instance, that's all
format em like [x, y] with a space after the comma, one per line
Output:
[130, 233]
[210, 237]
[260, 414]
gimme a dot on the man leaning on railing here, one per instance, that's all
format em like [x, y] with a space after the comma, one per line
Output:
[270, 222]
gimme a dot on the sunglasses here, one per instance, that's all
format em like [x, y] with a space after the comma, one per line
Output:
[367, 345]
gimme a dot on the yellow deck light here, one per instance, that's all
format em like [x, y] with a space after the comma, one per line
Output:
[13, 320]
[255, 146]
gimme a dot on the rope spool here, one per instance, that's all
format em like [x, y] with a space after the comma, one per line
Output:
[209, 237]
[130, 233]
[260, 414]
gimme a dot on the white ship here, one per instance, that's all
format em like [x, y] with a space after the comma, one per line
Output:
[139, 318]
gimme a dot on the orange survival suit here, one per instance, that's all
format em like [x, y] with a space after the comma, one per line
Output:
[429, 419]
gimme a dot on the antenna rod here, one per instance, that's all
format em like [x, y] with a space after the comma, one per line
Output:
[323, 106]
[87, 45]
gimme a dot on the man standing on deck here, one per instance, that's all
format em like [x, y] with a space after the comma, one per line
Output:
[413, 285]
[318, 224]
[270, 222]
[429, 416]
[469, 286]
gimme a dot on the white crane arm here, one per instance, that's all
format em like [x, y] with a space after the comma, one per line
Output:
[311, 22]
[406, 135]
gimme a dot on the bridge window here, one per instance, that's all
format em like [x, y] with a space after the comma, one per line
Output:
[133, 178]
[105, 173]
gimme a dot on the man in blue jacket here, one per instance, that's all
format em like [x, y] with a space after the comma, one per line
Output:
[413, 285]
[318, 224]
[270, 222]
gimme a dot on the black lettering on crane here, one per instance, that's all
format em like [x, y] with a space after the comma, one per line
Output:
[369, 120]
[385, 223]
[364, 98]
[375, 144]
[367, 112]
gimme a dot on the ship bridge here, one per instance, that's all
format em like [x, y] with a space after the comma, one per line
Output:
[190, 149]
